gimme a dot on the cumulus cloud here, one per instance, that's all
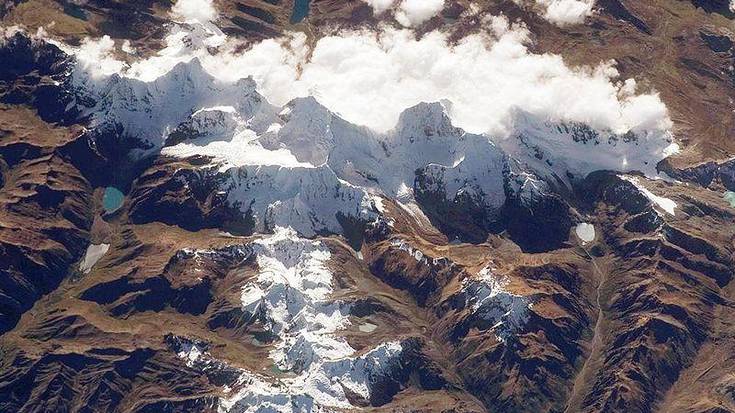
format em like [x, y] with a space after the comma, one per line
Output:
[370, 77]
[414, 12]
[408, 13]
[194, 10]
[563, 12]
[96, 57]
[380, 6]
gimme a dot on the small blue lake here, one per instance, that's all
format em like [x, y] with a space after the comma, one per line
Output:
[300, 10]
[112, 199]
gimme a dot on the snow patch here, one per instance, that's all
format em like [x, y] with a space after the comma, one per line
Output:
[585, 232]
[237, 152]
[666, 204]
[491, 301]
[93, 254]
[190, 352]
[367, 327]
[415, 253]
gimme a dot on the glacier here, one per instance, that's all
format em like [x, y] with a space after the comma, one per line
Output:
[291, 297]
[304, 166]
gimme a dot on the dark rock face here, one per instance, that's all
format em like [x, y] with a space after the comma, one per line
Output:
[153, 294]
[464, 217]
[726, 174]
[35, 73]
[617, 9]
[100, 380]
[715, 6]
[539, 224]
[396, 263]
[102, 156]
[45, 202]
[174, 288]
[411, 363]
[188, 198]
[23, 56]
[708, 175]
[717, 43]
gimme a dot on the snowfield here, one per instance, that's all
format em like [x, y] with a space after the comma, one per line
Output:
[290, 297]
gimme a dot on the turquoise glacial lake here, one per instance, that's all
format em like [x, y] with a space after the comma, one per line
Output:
[730, 197]
[113, 199]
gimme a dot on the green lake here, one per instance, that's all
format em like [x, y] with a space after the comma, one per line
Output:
[730, 197]
[113, 199]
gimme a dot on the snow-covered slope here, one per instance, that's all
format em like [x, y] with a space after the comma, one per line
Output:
[309, 166]
[304, 166]
[571, 150]
[491, 302]
[149, 111]
[316, 369]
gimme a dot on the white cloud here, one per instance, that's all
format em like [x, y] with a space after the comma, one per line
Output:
[369, 78]
[380, 6]
[127, 47]
[96, 56]
[563, 12]
[732, 6]
[411, 13]
[194, 10]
